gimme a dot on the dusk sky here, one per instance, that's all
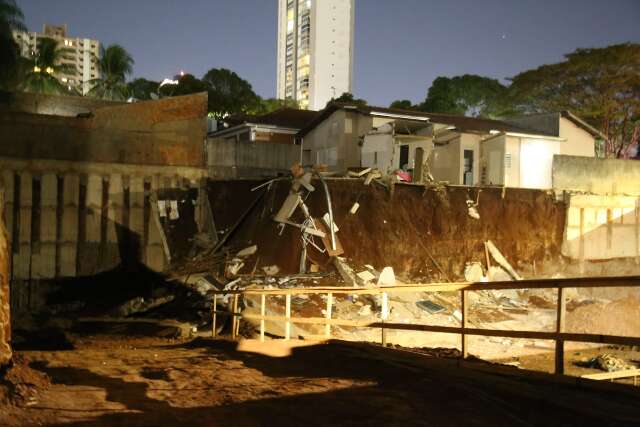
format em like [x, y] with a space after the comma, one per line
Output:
[400, 45]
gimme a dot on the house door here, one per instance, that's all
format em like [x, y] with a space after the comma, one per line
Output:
[467, 177]
[404, 156]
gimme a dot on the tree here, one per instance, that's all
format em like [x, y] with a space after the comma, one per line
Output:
[601, 85]
[44, 65]
[229, 93]
[10, 19]
[468, 94]
[402, 104]
[114, 65]
[143, 89]
[272, 104]
[348, 98]
[187, 84]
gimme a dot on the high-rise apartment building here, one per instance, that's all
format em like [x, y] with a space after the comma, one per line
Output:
[80, 54]
[315, 50]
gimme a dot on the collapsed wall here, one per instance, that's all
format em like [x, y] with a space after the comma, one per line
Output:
[425, 234]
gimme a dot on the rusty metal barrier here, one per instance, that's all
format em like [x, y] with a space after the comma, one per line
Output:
[559, 336]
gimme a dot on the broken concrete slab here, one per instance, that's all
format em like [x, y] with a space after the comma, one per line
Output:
[366, 276]
[288, 207]
[473, 272]
[387, 277]
[345, 271]
[500, 259]
[246, 252]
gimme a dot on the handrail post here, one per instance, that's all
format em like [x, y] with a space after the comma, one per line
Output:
[464, 344]
[287, 325]
[214, 332]
[327, 327]
[234, 323]
[560, 320]
[262, 313]
[383, 316]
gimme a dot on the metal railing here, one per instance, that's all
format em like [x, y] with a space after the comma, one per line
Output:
[559, 336]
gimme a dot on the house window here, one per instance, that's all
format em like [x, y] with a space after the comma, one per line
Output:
[404, 157]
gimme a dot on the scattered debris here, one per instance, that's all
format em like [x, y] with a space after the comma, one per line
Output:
[473, 272]
[366, 276]
[610, 363]
[500, 259]
[359, 174]
[387, 277]
[246, 252]
[430, 307]
[354, 208]
[271, 270]
[345, 271]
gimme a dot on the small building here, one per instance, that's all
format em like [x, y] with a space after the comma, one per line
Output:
[256, 146]
[455, 149]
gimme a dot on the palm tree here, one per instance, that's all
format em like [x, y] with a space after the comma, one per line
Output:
[114, 65]
[44, 65]
[10, 19]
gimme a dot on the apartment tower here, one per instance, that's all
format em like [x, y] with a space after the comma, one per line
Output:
[315, 50]
[80, 54]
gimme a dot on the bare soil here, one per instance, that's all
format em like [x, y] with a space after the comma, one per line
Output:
[106, 380]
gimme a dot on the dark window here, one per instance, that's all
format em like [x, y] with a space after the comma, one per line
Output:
[404, 156]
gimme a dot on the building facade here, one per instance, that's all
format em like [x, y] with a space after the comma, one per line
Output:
[315, 50]
[80, 54]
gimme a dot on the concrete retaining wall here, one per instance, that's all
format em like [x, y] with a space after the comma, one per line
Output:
[596, 176]
[602, 227]
[71, 219]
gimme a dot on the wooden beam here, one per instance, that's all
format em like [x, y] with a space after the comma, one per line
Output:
[613, 375]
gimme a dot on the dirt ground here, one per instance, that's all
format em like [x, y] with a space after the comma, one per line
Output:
[107, 380]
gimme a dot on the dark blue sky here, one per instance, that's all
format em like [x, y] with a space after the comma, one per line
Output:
[401, 45]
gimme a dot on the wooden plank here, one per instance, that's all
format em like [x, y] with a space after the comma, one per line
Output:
[613, 375]
[287, 325]
[327, 330]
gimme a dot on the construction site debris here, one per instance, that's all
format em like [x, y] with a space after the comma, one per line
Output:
[354, 208]
[366, 277]
[609, 363]
[473, 272]
[387, 277]
[359, 174]
[246, 252]
[346, 272]
[374, 174]
[430, 306]
[500, 259]
[472, 209]
[271, 270]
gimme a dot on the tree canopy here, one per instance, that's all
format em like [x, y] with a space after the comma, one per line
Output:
[114, 65]
[229, 93]
[143, 89]
[403, 104]
[348, 98]
[469, 95]
[43, 66]
[601, 85]
[11, 18]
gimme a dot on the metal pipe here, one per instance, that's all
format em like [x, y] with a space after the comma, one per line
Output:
[331, 228]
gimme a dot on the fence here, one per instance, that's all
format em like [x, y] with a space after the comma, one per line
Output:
[559, 336]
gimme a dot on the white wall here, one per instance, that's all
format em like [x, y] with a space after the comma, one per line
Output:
[332, 26]
[579, 142]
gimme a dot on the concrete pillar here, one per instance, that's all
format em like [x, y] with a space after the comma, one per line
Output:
[43, 264]
[136, 206]
[22, 259]
[68, 244]
[93, 222]
[115, 205]
[154, 253]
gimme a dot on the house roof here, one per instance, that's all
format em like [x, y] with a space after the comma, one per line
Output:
[460, 123]
[549, 123]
